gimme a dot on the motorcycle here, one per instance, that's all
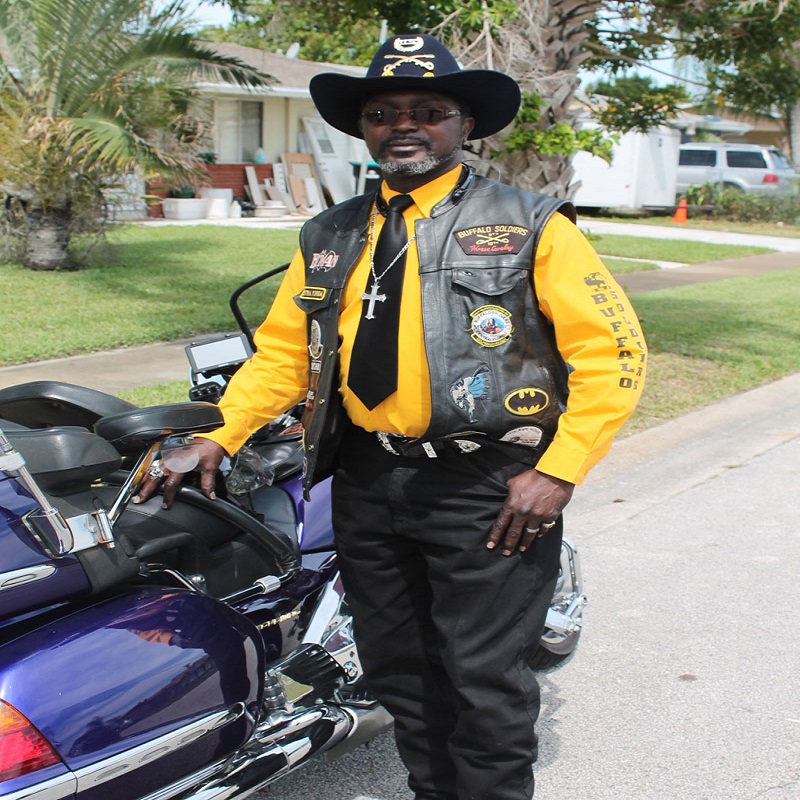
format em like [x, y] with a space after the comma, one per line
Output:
[199, 653]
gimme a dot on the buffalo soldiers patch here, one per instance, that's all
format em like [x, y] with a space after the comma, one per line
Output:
[489, 239]
[491, 325]
[527, 401]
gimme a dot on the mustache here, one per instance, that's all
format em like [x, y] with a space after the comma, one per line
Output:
[392, 140]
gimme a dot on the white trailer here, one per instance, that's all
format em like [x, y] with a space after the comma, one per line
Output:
[641, 175]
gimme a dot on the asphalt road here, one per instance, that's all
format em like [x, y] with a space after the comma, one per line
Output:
[685, 684]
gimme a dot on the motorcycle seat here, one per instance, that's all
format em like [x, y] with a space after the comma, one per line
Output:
[44, 404]
[64, 459]
[135, 430]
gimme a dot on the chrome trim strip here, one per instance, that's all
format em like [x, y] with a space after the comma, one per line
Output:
[190, 782]
[136, 476]
[19, 577]
[55, 789]
[112, 768]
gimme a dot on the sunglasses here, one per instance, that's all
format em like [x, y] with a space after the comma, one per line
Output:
[425, 116]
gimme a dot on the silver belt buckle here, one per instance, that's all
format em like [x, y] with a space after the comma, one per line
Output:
[386, 443]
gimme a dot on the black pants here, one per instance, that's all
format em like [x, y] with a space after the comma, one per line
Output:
[444, 626]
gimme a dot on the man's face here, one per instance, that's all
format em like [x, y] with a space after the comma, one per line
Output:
[407, 146]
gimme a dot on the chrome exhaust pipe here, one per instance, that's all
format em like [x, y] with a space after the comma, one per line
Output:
[280, 746]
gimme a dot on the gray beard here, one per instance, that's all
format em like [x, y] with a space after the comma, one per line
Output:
[428, 164]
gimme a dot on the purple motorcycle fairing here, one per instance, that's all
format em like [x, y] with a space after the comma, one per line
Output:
[283, 615]
[314, 516]
[291, 605]
[130, 668]
[19, 550]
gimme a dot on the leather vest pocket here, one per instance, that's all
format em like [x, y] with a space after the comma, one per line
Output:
[490, 282]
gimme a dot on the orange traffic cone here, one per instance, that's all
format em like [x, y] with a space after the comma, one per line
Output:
[681, 212]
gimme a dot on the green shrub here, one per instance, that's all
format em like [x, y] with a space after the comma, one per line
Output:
[737, 206]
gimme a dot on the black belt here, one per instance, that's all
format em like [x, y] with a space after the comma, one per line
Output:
[456, 444]
[415, 448]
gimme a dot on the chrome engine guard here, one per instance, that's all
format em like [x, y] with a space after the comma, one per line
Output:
[565, 615]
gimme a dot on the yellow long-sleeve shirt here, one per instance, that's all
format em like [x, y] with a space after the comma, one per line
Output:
[597, 334]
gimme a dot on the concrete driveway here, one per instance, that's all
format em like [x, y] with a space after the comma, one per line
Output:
[686, 684]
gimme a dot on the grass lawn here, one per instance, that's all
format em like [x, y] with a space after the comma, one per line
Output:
[154, 284]
[679, 250]
[711, 340]
[149, 284]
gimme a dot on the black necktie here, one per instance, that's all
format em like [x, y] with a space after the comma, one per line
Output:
[373, 365]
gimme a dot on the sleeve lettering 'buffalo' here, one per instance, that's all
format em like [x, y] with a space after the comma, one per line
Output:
[599, 336]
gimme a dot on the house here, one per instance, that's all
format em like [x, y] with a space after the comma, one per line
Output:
[242, 127]
[269, 119]
[245, 120]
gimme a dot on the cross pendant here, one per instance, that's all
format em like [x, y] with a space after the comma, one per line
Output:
[373, 297]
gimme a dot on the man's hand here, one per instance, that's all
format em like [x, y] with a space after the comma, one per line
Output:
[534, 501]
[209, 457]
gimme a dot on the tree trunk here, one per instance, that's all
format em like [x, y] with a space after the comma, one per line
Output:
[47, 239]
[542, 49]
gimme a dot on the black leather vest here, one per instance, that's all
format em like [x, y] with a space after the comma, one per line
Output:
[496, 374]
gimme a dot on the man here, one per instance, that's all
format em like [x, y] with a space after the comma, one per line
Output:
[457, 433]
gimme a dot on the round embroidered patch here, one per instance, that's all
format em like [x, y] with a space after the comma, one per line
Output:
[491, 325]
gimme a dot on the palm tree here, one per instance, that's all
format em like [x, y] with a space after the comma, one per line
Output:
[545, 49]
[90, 89]
[542, 43]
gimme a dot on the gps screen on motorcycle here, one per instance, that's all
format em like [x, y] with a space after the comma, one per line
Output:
[215, 355]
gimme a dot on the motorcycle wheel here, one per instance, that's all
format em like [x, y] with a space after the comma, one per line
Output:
[554, 654]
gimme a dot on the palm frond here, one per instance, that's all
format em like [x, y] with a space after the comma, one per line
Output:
[104, 142]
[84, 49]
[183, 54]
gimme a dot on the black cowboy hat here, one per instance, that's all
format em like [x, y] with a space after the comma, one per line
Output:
[417, 61]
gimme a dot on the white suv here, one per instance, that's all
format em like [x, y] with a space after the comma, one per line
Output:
[747, 167]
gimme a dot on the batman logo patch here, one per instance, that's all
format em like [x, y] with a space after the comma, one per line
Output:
[527, 401]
